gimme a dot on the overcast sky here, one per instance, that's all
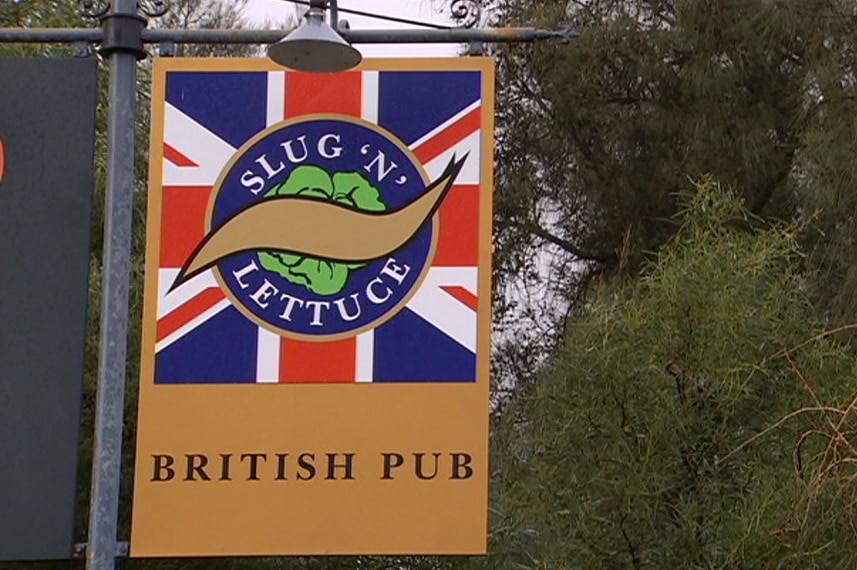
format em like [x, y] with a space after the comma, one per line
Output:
[423, 10]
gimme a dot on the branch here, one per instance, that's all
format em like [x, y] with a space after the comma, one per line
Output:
[774, 426]
[815, 338]
[625, 100]
[566, 245]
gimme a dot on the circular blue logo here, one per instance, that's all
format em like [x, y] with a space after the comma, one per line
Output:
[332, 158]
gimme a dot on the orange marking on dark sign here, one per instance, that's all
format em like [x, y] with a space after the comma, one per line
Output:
[2, 159]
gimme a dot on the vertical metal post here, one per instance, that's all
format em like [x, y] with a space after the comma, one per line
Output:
[119, 199]
[334, 15]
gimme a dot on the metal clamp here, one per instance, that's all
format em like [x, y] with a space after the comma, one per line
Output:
[123, 32]
[123, 548]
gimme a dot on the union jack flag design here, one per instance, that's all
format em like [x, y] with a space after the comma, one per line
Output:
[202, 337]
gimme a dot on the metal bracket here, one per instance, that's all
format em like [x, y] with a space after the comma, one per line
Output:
[567, 34]
[466, 13]
[476, 48]
[83, 49]
[123, 549]
[168, 49]
[97, 9]
[123, 32]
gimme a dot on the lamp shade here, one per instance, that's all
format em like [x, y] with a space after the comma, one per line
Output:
[315, 47]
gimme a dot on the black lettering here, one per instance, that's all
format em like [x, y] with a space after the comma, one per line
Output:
[391, 461]
[224, 466]
[281, 466]
[163, 468]
[196, 463]
[254, 464]
[418, 468]
[332, 465]
[305, 462]
[461, 462]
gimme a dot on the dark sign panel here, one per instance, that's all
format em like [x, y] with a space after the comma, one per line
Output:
[46, 181]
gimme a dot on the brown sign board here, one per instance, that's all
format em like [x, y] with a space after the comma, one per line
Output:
[316, 329]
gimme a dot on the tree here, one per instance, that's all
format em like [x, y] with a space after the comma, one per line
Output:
[40, 13]
[597, 137]
[597, 142]
[208, 14]
[694, 418]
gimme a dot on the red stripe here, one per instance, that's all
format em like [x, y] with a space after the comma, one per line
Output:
[333, 361]
[176, 157]
[462, 295]
[183, 222]
[450, 136]
[458, 242]
[189, 311]
[310, 93]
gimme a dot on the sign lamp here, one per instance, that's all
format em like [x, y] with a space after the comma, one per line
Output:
[315, 46]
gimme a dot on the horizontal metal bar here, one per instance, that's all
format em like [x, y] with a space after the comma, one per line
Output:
[50, 35]
[215, 36]
[456, 35]
[123, 548]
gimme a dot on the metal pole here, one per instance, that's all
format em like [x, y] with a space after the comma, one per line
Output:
[119, 198]
[334, 15]
[212, 36]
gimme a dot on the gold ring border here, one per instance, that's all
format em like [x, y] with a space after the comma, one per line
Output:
[239, 153]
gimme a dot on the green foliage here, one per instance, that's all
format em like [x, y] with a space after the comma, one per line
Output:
[351, 189]
[598, 136]
[208, 14]
[685, 423]
[40, 14]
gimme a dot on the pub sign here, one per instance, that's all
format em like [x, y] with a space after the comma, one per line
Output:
[317, 310]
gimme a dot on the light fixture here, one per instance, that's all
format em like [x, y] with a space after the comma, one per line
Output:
[315, 46]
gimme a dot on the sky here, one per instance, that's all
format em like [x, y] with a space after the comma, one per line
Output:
[422, 10]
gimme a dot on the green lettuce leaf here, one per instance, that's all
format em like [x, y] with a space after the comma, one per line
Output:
[350, 189]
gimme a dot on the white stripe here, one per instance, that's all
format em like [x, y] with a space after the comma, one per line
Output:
[197, 143]
[192, 325]
[366, 356]
[442, 310]
[455, 118]
[268, 357]
[169, 302]
[276, 97]
[370, 96]
[471, 173]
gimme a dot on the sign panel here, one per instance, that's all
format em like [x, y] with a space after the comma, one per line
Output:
[47, 125]
[317, 321]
